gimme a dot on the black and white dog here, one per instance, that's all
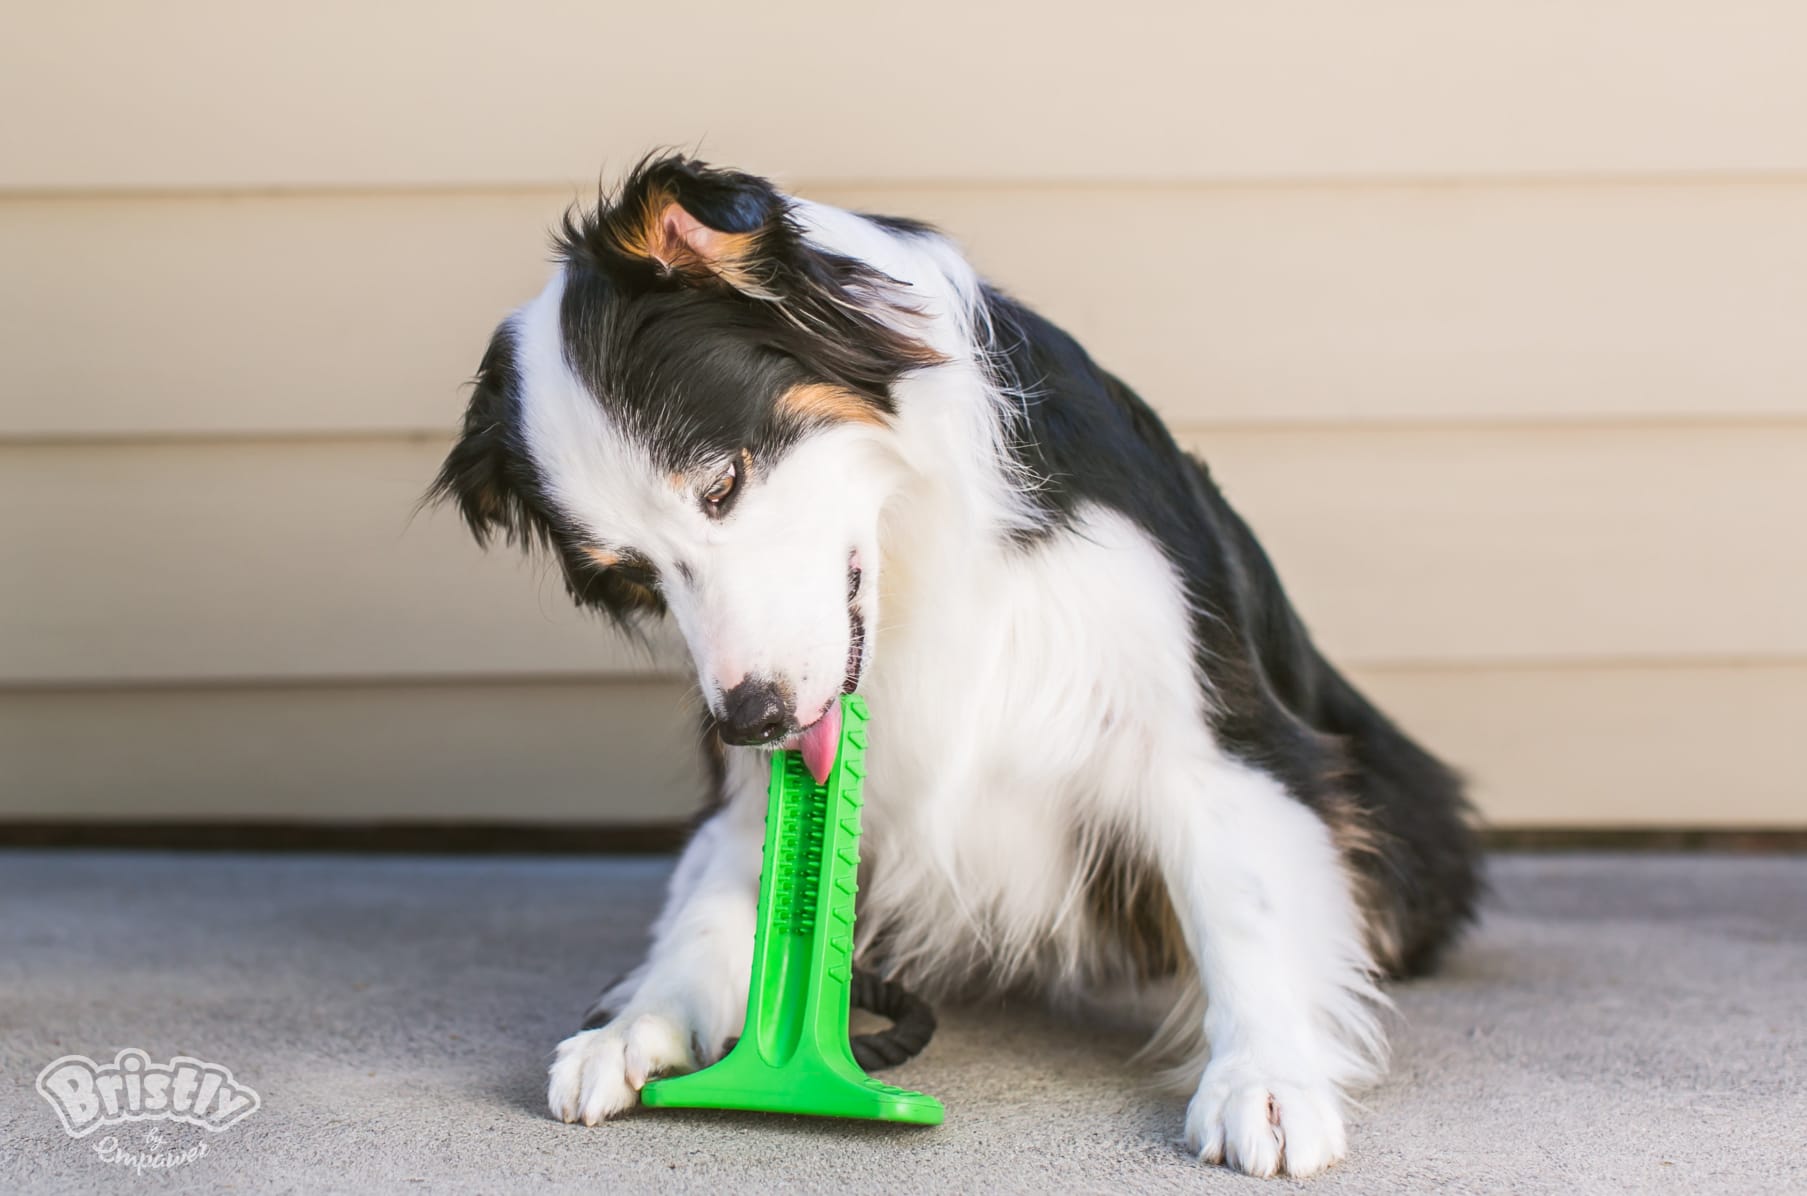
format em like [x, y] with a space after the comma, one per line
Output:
[1105, 755]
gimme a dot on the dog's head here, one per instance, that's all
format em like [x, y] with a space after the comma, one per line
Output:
[694, 419]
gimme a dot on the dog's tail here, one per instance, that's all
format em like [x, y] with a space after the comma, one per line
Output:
[1414, 849]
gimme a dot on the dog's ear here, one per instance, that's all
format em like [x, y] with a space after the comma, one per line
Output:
[695, 223]
[481, 473]
[677, 240]
[491, 480]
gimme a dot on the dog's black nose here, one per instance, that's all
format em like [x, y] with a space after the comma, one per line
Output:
[753, 712]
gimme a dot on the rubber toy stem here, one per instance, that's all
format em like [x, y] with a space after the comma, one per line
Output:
[793, 1055]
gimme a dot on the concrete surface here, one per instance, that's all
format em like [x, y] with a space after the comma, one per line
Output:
[1619, 1024]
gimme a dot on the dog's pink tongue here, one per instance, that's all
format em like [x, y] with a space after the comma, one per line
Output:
[821, 741]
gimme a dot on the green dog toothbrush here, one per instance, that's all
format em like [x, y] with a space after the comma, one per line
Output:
[793, 1056]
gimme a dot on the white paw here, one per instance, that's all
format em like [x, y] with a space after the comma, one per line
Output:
[599, 1073]
[1264, 1128]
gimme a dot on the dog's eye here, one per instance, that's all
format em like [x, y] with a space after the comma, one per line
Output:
[718, 497]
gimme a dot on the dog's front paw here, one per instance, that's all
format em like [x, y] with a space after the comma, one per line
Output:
[599, 1073]
[1264, 1128]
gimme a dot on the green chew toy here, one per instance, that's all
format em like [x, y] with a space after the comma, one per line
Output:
[793, 1056]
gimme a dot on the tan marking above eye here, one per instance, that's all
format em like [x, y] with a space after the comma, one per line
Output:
[603, 557]
[824, 401]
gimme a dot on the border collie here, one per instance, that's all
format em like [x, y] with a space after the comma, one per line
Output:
[1105, 755]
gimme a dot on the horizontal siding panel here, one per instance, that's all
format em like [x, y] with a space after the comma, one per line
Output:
[1634, 747]
[1451, 545]
[600, 752]
[301, 315]
[127, 563]
[272, 560]
[1498, 303]
[257, 315]
[219, 93]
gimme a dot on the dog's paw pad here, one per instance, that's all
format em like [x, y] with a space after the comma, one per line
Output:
[1265, 1129]
[598, 1073]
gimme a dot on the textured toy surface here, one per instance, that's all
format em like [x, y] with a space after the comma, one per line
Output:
[793, 1056]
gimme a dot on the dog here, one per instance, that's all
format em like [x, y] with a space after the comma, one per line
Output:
[1105, 755]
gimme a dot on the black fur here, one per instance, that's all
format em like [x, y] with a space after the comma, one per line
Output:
[498, 491]
[664, 353]
[1088, 439]
[903, 225]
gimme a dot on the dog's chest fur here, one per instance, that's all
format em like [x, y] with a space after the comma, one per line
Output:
[1018, 696]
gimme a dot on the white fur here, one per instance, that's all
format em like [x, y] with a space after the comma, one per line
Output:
[1029, 705]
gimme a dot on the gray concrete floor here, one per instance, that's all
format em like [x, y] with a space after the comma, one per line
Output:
[1618, 1024]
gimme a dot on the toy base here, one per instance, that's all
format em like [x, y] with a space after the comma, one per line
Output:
[814, 1088]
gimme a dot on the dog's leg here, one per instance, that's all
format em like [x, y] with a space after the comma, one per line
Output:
[674, 1012]
[1268, 914]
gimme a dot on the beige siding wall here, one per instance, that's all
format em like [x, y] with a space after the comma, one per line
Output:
[1492, 318]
